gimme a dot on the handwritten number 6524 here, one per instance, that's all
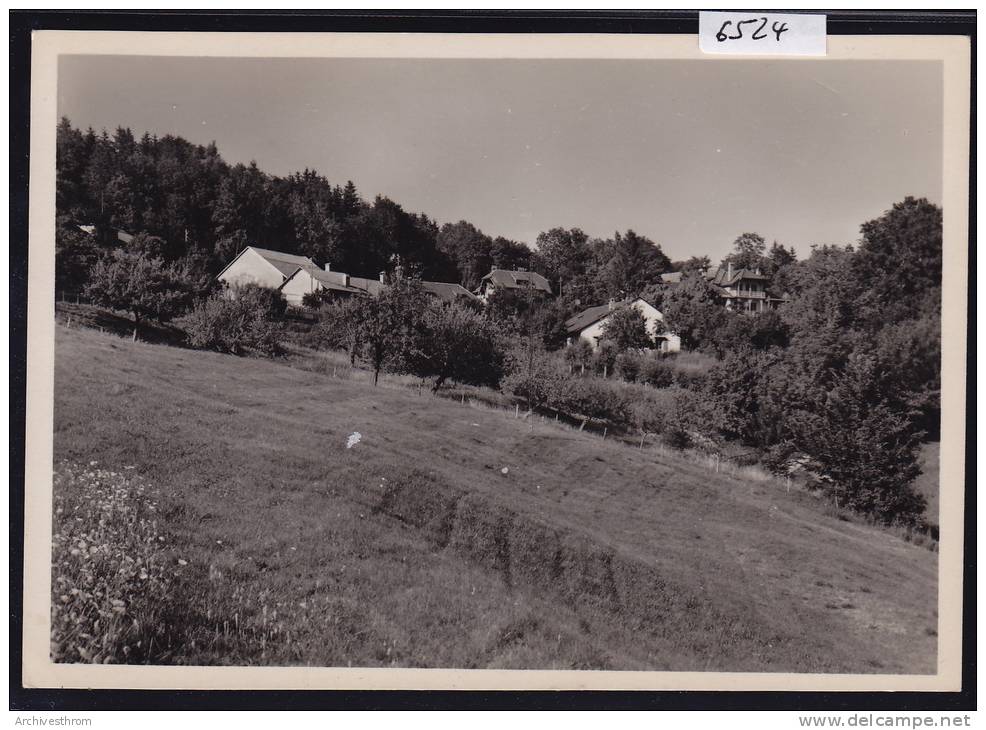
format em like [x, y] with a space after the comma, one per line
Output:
[758, 34]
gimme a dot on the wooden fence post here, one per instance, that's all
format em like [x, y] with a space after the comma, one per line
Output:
[605, 431]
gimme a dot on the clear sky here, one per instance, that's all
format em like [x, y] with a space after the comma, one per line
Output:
[688, 153]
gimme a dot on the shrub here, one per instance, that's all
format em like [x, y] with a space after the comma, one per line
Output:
[533, 374]
[689, 379]
[604, 358]
[592, 398]
[579, 355]
[679, 415]
[654, 371]
[340, 326]
[236, 324]
[268, 303]
[628, 366]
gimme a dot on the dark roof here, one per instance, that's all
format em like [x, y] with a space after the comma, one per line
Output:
[517, 280]
[721, 276]
[592, 315]
[373, 287]
[588, 317]
[329, 280]
[448, 292]
[286, 263]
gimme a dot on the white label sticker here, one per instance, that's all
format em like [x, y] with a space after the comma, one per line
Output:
[762, 34]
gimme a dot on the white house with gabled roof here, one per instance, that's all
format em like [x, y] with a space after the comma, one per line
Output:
[263, 267]
[590, 324]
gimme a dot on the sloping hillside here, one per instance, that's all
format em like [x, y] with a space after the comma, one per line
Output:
[453, 536]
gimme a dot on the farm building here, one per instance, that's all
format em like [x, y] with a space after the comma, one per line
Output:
[590, 324]
[518, 279]
[263, 267]
[310, 279]
[295, 276]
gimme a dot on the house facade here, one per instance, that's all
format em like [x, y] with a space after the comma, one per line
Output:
[311, 279]
[262, 267]
[739, 289]
[590, 324]
[743, 290]
[518, 279]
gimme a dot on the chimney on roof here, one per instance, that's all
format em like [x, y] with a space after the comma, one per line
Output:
[729, 270]
[328, 266]
[345, 279]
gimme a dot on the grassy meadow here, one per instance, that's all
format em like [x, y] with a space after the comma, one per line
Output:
[451, 535]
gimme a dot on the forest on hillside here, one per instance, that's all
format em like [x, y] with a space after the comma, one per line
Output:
[847, 371]
[207, 210]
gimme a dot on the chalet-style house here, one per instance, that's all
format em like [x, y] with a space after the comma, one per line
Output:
[741, 290]
[590, 325]
[263, 267]
[518, 279]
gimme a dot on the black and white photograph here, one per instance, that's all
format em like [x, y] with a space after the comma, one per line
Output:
[600, 365]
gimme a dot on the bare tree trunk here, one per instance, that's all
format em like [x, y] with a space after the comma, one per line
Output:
[136, 325]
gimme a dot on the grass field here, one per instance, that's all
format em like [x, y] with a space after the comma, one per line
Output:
[452, 536]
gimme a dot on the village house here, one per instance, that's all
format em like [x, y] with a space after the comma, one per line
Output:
[739, 289]
[518, 279]
[590, 325]
[262, 267]
[311, 279]
[743, 290]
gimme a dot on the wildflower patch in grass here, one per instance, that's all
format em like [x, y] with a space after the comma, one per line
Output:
[110, 569]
